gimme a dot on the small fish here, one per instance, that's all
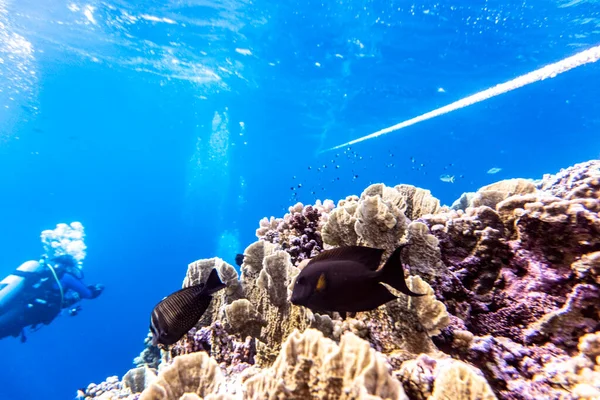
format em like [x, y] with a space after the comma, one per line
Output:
[447, 178]
[346, 279]
[494, 170]
[176, 314]
[239, 259]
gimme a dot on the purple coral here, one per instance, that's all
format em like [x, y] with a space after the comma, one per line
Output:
[226, 349]
[232, 351]
[510, 276]
[515, 371]
[299, 231]
[507, 268]
[193, 341]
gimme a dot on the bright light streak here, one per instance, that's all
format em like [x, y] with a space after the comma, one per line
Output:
[549, 71]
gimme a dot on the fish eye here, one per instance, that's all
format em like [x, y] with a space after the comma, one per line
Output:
[301, 280]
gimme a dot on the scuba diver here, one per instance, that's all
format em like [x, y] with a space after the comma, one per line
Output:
[37, 291]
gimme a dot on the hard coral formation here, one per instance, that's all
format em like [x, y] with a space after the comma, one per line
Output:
[426, 378]
[265, 279]
[254, 305]
[311, 366]
[580, 373]
[231, 352]
[299, 231]
[511, 277]
[522, 277]
[379, 217]
[195, 373]
[138, 379]
[459, 381]
[111, 388]
[150, 356]
[493, 194]
[198, 272]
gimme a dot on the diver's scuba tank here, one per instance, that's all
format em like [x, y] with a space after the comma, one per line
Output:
[11, 286]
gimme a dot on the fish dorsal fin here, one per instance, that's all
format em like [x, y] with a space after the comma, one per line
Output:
[368, 256]
[213, 283]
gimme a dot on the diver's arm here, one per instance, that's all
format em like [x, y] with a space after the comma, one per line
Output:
[68, 281]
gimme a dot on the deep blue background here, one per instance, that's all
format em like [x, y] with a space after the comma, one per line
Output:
[112, 147]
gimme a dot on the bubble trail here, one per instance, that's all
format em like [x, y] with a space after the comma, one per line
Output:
[549, 71]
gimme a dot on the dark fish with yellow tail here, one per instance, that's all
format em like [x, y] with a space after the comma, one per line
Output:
[175, 315]
[346, 279]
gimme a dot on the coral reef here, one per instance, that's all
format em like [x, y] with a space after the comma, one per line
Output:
[511, 311]
[150, 356]
[232, 354]
[428, 378]
[522, 277]
[195, 373]
[299, 231]
[111, 388]
[379, 217]
[137, 379]
[311, 366]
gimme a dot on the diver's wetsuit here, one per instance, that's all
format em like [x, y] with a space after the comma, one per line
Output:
[47, 311]
[68, 281]
[40, 301]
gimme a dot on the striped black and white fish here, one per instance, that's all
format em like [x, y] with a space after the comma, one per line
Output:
[176, 314]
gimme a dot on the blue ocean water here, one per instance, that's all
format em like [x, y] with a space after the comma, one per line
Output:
[170, 128]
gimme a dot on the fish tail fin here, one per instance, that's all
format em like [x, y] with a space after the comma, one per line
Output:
[452, 179]
[213, 283]
[392, 273]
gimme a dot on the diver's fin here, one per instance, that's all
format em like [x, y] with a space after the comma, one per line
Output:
[392, 273]
[213, 283]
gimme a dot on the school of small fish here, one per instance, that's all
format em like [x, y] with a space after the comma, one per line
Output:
[335, 171]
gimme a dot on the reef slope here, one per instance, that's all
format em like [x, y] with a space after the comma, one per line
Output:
[512, 311]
